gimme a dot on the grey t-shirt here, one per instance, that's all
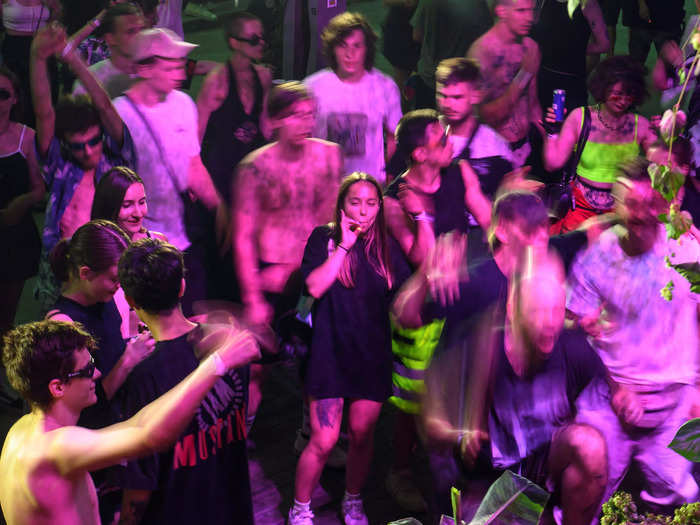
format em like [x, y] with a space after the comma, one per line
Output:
[114, 81]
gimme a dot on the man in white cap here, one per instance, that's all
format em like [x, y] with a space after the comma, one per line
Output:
[163, 124]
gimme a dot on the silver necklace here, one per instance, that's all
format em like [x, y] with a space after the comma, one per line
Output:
[602, 121]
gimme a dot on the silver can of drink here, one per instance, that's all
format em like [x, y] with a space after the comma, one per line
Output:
[558, 102]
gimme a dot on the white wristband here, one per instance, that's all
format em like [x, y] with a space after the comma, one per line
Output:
[67, 49]
[522, 78]
[423, 216]
[219, 366]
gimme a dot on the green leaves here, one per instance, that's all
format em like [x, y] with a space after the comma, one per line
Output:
[667, 291]
[677, 221]
[687, 440]
[665, 181]
[511, 499]
[572, 5]
[690, 271]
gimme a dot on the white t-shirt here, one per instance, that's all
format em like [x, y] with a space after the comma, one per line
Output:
[355, 115]
[114, 81]
[174, 122]
[652, 341]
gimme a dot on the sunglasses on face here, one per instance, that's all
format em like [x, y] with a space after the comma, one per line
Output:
[5, 94]
[86, 372]
[80, 146]
[253, 40]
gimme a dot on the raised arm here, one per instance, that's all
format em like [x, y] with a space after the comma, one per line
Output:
[110, 119]
[415, 241]
[265, 76]
[323, 276]
[558, 147]
[599, 42]
[211, 96]
[85, 31]
[47, 41]
[155, 426]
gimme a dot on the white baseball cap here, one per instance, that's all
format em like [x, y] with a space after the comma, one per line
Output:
[159, 42]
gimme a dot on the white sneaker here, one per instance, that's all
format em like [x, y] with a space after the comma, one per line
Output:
[404, 491]
[300, 516]
[353, 512]
[336, 459]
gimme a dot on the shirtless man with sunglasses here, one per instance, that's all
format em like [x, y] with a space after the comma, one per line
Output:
[46, 459]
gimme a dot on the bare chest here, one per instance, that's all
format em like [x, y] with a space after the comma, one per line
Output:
[77, 212]
[293, 187]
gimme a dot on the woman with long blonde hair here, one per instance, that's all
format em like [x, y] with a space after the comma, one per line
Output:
[351, 268]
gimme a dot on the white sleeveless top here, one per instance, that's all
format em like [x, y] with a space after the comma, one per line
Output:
[26, 19]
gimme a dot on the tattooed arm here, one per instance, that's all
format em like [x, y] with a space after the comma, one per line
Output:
[500, 108]
[534, 100]
[245, 246]
[599, 41]
[329, 189]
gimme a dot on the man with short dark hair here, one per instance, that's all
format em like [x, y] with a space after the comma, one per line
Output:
[121, 22]
[163, 123]
[46, 459]
[458, 92]
[204, 477]
[77, 142]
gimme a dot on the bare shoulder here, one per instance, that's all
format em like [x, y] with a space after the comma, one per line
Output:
[27, 145]
[258, 157]
[531, 46]
[158, 235]
[320, 145]
[479, 49]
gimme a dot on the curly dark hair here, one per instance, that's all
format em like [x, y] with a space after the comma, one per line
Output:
[36, 353]
[151, 272]
[621, 68]
[338, 30]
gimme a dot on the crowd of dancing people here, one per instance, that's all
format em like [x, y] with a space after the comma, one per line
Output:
[456, 240]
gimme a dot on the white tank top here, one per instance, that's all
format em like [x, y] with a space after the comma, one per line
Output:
[26, 19]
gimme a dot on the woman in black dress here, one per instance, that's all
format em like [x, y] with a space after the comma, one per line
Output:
[351, 267]
[21, 188]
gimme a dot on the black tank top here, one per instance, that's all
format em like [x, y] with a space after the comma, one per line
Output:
[448, 201]
[562, 40]
[231, 134]
[103, 322]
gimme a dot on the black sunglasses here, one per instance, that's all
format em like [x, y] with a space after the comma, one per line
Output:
[253, 40]
[86, 372]
[80, 146]
[5, 94]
